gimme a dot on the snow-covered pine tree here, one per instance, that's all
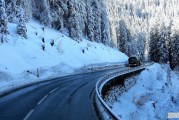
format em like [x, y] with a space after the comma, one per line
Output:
[73, 23]
[45, 17]
[129, 39]
[35, 9]
[163, 45]
[97, 20]
[153, 48]
[64, 5]
[90, 22]
[3, 18]
[21, 26]
[12, 10]
[140, 45]
[122, 36]
[131, 46]
[174, 48]
[27, 6]
[56, 15]
[3, 22]
[105, 33]
[81, 10]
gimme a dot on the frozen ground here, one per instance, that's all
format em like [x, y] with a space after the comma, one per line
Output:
[149, 96]
[22, 61]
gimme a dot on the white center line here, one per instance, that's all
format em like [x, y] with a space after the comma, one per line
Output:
[42, 100]
[28, 115]
[53, 90]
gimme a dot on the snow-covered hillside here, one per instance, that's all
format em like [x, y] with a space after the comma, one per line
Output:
[154, 95]
[24, 60]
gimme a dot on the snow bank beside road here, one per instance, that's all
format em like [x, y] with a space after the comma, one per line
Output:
[154, 95]
[23, 61]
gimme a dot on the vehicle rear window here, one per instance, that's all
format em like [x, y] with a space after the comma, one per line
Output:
[132, 58]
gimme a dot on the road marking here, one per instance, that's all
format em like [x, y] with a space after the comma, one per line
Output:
[53, 90]
[28, 115]
[42, 100]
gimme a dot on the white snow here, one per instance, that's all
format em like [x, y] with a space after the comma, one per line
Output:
[21, 60]
[155, 94]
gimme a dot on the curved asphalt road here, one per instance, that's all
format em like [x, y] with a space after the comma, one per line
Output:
[65, 98]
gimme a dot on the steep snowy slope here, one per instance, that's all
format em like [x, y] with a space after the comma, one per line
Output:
[24, 59]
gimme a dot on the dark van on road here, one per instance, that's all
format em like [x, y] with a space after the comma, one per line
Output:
[134, 61]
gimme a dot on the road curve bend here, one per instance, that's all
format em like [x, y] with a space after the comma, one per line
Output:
[64, 98]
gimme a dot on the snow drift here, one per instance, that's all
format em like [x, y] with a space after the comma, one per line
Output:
[151, 95]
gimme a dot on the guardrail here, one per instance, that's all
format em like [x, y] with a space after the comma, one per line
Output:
[105, 80]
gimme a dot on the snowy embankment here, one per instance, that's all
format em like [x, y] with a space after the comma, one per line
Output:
[149, 96]
[23, 61]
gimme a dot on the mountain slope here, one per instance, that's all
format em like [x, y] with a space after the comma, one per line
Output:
[25, 60]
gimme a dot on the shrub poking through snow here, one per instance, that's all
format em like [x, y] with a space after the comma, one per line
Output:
[43, 40]
[43, 47]
[52, 42]
[38, 75]
[59, 47]
[83, 50]
[3, 38]
[43, 29]
[34, 73]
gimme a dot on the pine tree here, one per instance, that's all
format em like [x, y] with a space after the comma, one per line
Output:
[27, 6]
[153, 48]
[140, 45]
[73, 23]
[57, 15]
[97, 20]
[105, 33]
[174, 48]
[82, 17]
[90, 22]
[131, 46]
[122, 36]
[35, 4]
[21, 27]
[3, 19]
[163, 46]
[45, 17]
[12, 10]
